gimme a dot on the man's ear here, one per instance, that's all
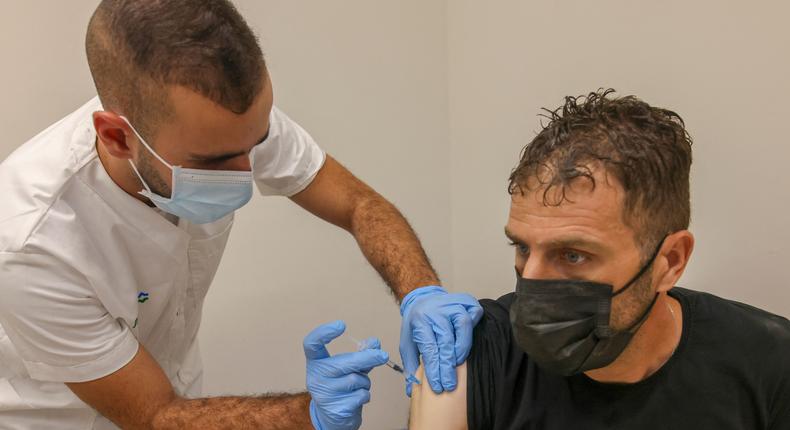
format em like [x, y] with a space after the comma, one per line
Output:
[112, 132]
[673, 258]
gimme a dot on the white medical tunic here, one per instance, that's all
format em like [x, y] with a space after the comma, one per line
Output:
[88, 272]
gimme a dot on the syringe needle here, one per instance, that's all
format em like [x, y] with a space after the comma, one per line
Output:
[394, 366]
[391, 364]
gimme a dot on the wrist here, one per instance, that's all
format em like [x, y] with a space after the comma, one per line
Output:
[417, 293]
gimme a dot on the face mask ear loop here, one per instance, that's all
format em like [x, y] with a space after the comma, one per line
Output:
[643, 270]
[141, 179]
[635, 326]
[148, 147]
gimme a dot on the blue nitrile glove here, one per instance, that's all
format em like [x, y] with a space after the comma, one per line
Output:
[339, 384]
[439, 326]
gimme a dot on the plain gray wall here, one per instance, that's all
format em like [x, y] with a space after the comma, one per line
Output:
[430, 102]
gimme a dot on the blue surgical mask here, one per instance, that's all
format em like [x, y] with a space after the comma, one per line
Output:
[200, 196]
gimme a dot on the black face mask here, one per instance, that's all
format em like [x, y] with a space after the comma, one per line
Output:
[563, 325]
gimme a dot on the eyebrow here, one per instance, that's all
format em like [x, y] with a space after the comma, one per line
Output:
[565, 242]
[512, 236]
[227, 156]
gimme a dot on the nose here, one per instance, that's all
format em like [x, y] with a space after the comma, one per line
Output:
[537, 267]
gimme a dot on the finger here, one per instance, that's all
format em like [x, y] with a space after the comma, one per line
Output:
[445, 339]
[464, 334]
[348, 383]
[410, 381]
[466, 300]
[470, 303]
[354, 362]
[474, 309]
[315, 342]
[429, 349]
[359, 398]
[370, 343]
[409, 353]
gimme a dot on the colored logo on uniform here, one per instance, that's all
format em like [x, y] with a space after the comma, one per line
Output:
[142, 297]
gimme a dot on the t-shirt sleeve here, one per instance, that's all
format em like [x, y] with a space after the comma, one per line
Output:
[59, 328]
[491, 348]
[288, 160]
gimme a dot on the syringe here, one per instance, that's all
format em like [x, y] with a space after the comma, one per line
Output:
[361, 345]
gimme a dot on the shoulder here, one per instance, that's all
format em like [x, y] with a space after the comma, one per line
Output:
[743, 320]
[496, 316]
[492, 343]
[731, 333]
[34, 176]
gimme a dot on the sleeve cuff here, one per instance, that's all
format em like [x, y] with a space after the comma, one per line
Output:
[107, 364]
[311, 171]
[304, 183]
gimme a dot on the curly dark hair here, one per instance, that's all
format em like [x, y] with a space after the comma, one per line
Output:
[647, 149]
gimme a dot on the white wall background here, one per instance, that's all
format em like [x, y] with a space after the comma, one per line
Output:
[430, 102]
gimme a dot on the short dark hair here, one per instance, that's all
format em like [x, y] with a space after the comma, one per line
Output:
[647, 149]
[136, 48]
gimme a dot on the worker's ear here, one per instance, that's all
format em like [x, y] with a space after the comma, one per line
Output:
[112, 132]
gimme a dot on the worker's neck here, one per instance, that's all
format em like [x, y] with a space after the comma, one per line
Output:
[120, 172]
[650, 348]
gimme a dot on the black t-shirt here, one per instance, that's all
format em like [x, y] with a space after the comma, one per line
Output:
[730, 371]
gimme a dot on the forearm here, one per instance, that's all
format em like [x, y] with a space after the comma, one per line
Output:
[271, 412]
[391, 246]
[385, 237]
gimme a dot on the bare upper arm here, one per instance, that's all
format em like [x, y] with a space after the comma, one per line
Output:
[131, 396]
[445, 411]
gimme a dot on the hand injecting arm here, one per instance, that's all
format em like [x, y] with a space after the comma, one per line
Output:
[436, 324]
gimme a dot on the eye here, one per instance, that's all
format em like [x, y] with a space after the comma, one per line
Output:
[520, 248]
[574, 257]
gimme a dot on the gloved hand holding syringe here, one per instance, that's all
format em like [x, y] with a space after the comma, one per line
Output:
[339, 384]
[391, 364]
[363, 345]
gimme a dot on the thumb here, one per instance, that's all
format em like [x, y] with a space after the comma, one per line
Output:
[315, 342]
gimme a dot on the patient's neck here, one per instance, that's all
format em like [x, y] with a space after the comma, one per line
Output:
[650, 348]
